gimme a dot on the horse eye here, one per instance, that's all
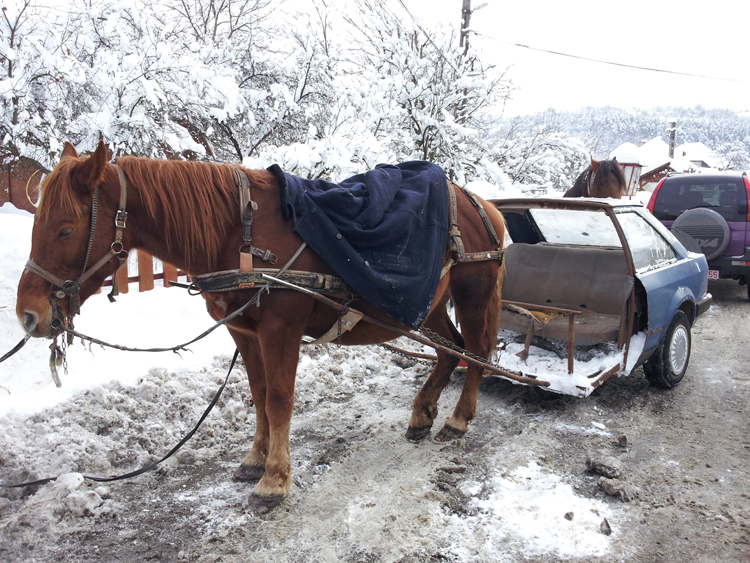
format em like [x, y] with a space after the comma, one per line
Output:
[66, 232]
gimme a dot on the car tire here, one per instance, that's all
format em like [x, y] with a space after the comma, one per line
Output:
[668, 364]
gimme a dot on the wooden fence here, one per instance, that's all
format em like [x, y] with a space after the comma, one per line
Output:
[146, 275]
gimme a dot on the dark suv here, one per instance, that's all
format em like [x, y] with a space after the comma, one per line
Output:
[709, 213]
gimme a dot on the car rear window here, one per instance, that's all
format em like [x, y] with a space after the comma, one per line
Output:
[726, 196]
[578, 227]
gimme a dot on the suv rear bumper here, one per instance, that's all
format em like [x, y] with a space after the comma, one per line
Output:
[734, 267]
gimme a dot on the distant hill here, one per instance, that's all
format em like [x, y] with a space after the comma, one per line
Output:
[604, 129]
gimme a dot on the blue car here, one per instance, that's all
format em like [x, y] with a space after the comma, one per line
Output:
[597, 275]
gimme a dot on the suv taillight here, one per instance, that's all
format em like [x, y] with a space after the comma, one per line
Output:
[652, 201]
[747, 190]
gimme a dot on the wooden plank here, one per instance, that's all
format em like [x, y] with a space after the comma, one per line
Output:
[170, 273]
[145, 271]
[122, 279]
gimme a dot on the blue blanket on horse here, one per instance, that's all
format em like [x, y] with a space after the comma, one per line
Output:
[384, 232]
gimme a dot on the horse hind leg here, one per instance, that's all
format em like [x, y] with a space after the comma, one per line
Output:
[425, 408]
[478, 310]
[253, 465]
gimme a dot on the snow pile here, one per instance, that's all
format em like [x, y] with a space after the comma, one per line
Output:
[551, 365]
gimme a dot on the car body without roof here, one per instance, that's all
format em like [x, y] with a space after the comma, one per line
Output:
[609, 259]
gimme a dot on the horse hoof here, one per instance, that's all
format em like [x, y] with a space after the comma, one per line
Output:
[249, 473]
[417, 434]
[264, 503]
[448, 433]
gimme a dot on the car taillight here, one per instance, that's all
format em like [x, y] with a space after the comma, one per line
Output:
[652, 201]
[747, 190]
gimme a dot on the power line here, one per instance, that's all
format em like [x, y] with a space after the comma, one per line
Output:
[559, 53]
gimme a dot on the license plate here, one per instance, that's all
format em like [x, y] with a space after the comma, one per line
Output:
[713, 274]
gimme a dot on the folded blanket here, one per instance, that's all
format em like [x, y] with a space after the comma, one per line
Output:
[384, 232]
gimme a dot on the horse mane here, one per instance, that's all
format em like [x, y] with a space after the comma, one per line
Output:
[57, 192]
[197, 202]
[579, 187]
[607, 167]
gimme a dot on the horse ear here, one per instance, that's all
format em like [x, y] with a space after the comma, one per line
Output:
[614, 160]
[69, 150]
[91, 171]
[594, 165]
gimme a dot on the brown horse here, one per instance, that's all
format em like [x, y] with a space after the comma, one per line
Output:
[603, 179]
[187, 214]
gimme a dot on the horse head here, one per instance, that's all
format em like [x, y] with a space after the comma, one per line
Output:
[72, 248]
[606, 179]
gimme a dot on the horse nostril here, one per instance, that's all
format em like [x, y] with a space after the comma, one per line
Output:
[30, 320]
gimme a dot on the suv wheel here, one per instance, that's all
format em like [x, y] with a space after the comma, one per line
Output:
[707, 228]
[668, 364]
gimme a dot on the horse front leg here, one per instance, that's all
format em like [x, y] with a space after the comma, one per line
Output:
[280, 345]
[425, 408]
[254, 463]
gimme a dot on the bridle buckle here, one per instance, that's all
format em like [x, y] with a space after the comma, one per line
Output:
[120, 218]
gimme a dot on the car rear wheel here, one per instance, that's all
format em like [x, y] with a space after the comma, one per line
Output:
[667, 366]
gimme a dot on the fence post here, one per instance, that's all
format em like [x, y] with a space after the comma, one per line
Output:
[122, 278]
[170, 273]
[145, 271]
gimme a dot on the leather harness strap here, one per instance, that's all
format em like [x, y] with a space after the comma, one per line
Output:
[231, 280]
[247, 206]
[454, 235]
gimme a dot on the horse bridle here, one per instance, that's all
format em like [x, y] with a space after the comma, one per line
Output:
[72, 288]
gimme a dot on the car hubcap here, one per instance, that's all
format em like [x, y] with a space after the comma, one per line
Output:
[678, 350]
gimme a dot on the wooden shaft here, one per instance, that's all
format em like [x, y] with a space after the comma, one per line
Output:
[422, 340]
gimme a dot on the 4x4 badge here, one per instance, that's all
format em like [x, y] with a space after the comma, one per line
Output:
[707, 243]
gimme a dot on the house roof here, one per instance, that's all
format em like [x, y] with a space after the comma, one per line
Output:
[654, 157]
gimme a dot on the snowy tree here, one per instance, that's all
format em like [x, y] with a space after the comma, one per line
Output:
[535, 150]
[41, 81]
[422, 96]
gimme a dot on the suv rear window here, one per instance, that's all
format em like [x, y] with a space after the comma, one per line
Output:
[726, 196]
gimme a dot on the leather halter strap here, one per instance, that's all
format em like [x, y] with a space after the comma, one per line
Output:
[72, 288]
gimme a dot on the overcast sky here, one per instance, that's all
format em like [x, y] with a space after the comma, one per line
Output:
[706, 38]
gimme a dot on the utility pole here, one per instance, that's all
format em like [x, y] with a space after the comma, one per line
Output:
[465, 19]
[672, 130]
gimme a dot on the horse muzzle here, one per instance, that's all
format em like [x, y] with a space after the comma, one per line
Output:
[34, 308]
[36, 325]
